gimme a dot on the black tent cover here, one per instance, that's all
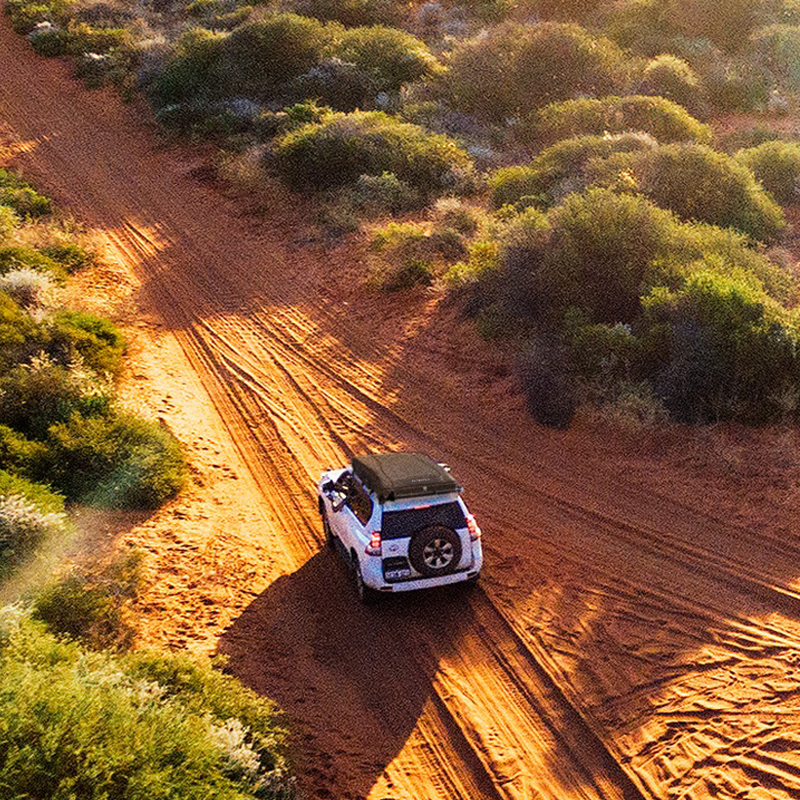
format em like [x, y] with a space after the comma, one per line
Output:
[392, 476]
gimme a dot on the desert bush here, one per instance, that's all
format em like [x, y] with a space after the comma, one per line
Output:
[17, 330]
[777, 166]
[697, 183]
[267, 51]
[385, 193]
[668, 76]
[342, 147]
[336, 83]
[27, 287]
[449, 213]
[779, 48]
[22, 197]
[70, 255]
[42, 392]
[118, 461]
[8, 222]
[13, 258]
[733, 354]
[193, 74]
[661, 118]
[37, 494]
[95, 341]
[24, 457]
[727, 23]
[392, 56]
[351, 13]
[548, 175]
[547, 385]
[483, 260]
[27, 14]
[518, 68]
[737, 84]
[86, 724]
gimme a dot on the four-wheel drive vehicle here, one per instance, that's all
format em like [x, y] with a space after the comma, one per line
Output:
[400, 522]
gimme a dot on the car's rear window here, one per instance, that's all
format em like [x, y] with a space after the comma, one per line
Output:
[402, 524]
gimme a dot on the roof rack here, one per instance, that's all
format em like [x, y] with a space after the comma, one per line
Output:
[393, 476]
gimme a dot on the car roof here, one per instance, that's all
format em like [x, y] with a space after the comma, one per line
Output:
[391, 476]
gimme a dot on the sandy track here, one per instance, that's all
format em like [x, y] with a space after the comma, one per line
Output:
[638, 634]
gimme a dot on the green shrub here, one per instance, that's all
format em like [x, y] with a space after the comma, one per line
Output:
[518, 68]
[661, 118]
[17, 330]
[727, 23]
[117, 461]
[697, 183]
[777, 166]
[337, 84]
[16, 258]
[671, 77]
[558, 163]
[76, 39]
[547, 385]
[41, 393]
[97, 341]
[342, 147]
[737, 84]
[22, 197]
[70, 255]
[25, 15]
[779, 48]
[386, 193]
[8, 222]
[267, 51]
[449, 213]
[22, 456]
[84, 724]
[392, 56]
[351, 13]
[732, 354]
[599, 250]
[37, 494]
[194, 72]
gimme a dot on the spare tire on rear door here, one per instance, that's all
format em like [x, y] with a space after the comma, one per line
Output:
[435, 550]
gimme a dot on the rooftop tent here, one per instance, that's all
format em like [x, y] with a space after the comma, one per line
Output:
[392, 476]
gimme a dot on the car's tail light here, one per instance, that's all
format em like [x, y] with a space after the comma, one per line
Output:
[472, 527]
[373, 547]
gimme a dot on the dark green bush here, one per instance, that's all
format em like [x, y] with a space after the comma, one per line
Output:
[342, 147]
[82, 724]
[727, 23]
[392, 56]
[22, 456]
[25, 15]
[42, 393]
[97, 341]
[22, 197]
[668, 76]
[732, 353]
[267, 51]
[518, 68]
[661, 118]
[337, 84]
[71, 256]
[17, 329]
[351, 12]
[547, 385]
[557, 163]
[117, 461]
[777, 166]
[36, 493]
[737, 84]
[599, 251]
[697, 183]
[381, 194]
[77, 38]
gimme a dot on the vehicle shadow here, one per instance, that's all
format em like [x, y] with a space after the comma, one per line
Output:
[351, 685]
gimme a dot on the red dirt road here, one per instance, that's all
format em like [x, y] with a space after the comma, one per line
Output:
[638, 633]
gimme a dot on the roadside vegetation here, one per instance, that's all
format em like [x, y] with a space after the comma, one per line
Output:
[553, 163]
[83, 714]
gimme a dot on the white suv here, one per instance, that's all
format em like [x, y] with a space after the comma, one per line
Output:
[399, 521]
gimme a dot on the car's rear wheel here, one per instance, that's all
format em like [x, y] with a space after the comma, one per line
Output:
[366, 595]
[435, 550]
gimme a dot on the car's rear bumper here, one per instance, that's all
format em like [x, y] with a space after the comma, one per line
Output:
[427, 583]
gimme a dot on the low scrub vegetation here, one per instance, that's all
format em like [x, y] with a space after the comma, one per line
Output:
[342, 147]
[80, 723]
[519, 68]
[777, 167]
[661, 118]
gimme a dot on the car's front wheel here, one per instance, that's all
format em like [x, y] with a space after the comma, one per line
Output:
[330, 539]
